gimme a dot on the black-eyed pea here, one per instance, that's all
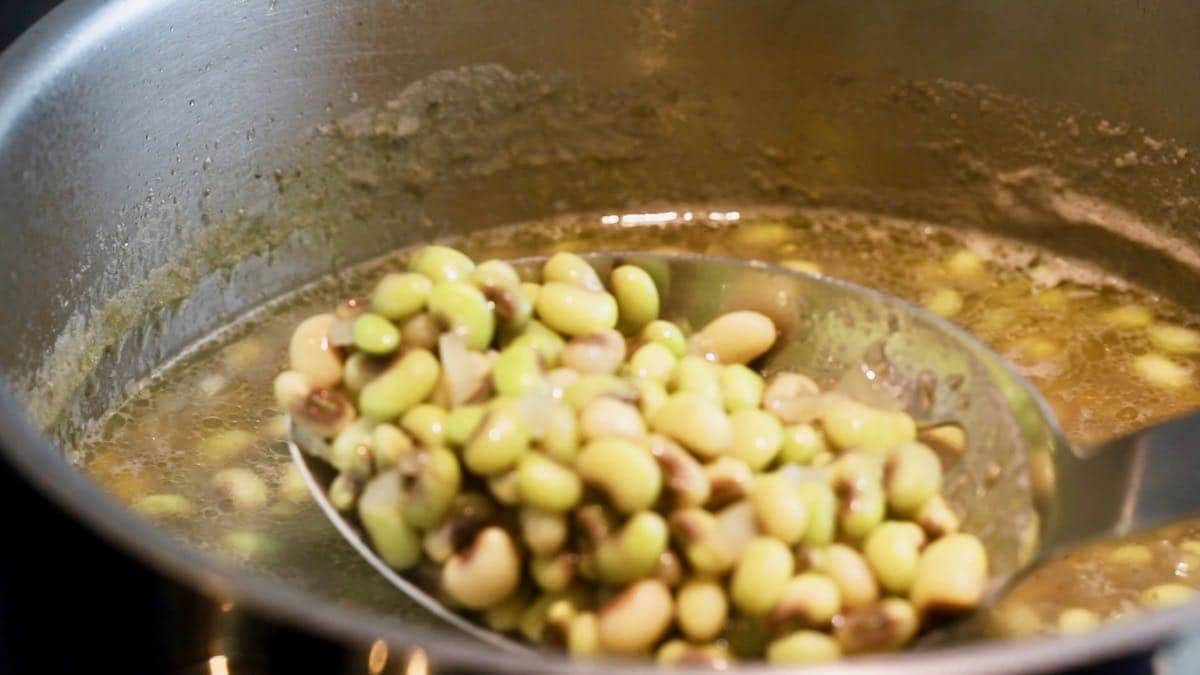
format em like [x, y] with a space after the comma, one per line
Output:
[729, 480]
[547, 485]
[397, 544]
[575, 311]
[343, 491]
[651, 396]
[696, 422]
[545, 342]
[822, 507]
[441, 263]
[1161, 371]
[583, 635]
[513, 308]
[948, 440]
[409, 381]
[653, 361]
[599, 352]
[810, 600]
[498, 443]
[883, 626]
[634, 551]
[1076, 620]
[606, 417]
[594, 523]
[741, 387]
[486, 573]
[420, 331]
[862, 505]
[464, 309]
[504, 487]
[803, 646]
[569, 268]
[699, 376]
[625, 471]
[506, 616]
[786, 385]
[669, 569]
[543, 532]
[713, 656]
[168, 505]
[461, 423]
[351, 450]
[361, 369]
[912, 474]
[1166, 595]
[695, 529]
[951, 574]
[1173, 339]
[635, 620]
[587, 388]
[291, 484]
[375, 335]
[319, 410]
[937, 517]
[701, 609]
[892, 550]
[945, 302]
[667, 334]
[469, 513]
[222, 445]
[855, 582]
[850, 425]
[1131, 555]
[532, 624]
[242, 487]
[757, 438]
[560, 437]
[554, 573]
[518, 370]
[311, 352]
[779, 508]
[802, 443]
[399, 296]
[684, 478]
[431, 479]
[427, 424]
[495, 271]
[760, 576]
[738, 337]
[637, 297]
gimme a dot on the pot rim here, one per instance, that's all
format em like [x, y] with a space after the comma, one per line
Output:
[32, 64]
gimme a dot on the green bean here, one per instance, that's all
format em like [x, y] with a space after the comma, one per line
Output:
[757, 438]
[432, 479]
[803, 646]
[575, 311]
[666, 334]
[801, 444]
[741, 388]
[554, 573]
[375, 335]
[635, 620]
[738, 337]
[607, 417]
[486, 573]
[810, 599]
[599, 352]
[892, 550]
[460, 424]
[441, 263]
[547, 485]
[543, 532]
[623, 470]
[632, 552]
[951, 574]
[760, 576]
[569, 268]
[653, 361]
[518, 370]
[886, 625]
[312, 353]
[167, 505]
[408, 382]
[242, 487]
[696, 422]
[465, 310]
[821, 506]
[637, 297]
[696, 375]
[498, 443]
[856, 584]
[379, 511]
[427, 424]
[780, 509]
[702, 609]
[684, 478]
[913, 475]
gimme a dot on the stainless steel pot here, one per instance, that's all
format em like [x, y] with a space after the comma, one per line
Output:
[166, 165]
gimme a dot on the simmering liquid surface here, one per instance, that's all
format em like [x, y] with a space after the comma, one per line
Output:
[1108, 356]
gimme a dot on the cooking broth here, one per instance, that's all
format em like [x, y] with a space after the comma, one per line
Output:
[1108, 356]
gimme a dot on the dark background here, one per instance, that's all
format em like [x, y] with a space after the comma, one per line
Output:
[71, 604]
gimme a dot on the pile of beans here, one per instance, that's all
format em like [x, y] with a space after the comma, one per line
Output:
[582, 473]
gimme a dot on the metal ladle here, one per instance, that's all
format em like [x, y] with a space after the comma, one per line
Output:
[1019, 484]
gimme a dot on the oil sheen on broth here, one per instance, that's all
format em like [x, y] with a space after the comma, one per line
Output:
[199, 447]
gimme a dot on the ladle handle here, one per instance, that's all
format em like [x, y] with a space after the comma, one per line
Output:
[1147, 478]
